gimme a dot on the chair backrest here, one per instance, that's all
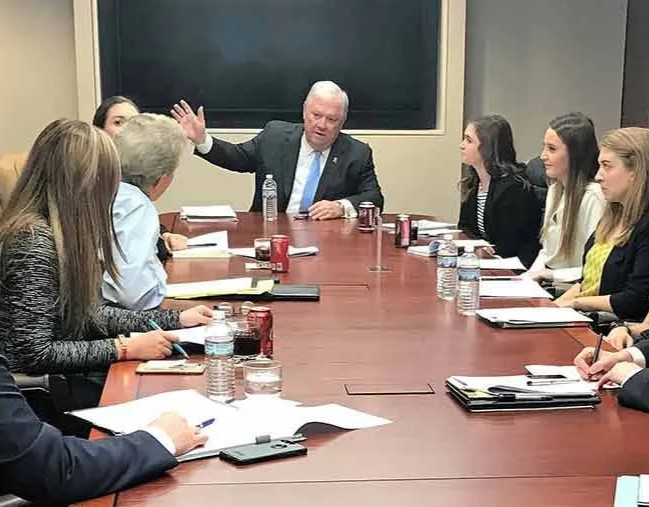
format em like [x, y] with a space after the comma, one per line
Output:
[11, 165]
[538, 179]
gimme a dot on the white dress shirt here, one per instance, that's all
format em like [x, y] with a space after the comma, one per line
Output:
[304, 159]
[567, 268]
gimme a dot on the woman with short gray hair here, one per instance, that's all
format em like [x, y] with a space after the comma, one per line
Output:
[150, 148]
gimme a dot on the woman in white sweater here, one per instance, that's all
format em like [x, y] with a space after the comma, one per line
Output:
[574, 203]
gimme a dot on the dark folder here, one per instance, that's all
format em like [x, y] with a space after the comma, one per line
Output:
[280, 292]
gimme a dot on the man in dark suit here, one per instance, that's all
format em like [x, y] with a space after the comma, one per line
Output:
[317, 169]
[37, 463]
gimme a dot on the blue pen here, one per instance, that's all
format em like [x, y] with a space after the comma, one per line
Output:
[175, 346]
[205, 424]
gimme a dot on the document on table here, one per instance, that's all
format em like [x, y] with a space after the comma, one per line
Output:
[519, 383]
[533, 315]
[215, 213]
[235, 424]
[522, 288]
[423, 251]
[476, 243]
[194, 335]
[569, 372]
[437, 232]
[293, 251]
[208, 288]
[509, 263]
[627, 491]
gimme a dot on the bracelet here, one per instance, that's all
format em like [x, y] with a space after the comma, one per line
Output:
[122, 349]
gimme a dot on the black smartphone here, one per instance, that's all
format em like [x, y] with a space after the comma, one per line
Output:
[254, 453]
[301, 216]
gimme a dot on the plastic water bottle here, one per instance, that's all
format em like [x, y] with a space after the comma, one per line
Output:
[269, 198]
[468, 282]
[219, 355]
[447, 268]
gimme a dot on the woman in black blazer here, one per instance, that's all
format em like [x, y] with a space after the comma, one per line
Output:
[616, 257]
[498, 201]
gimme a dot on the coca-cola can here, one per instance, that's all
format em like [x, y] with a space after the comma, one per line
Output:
[279, 253]
[402, 229]
[261, 317]
[414, 232]
[366, 216]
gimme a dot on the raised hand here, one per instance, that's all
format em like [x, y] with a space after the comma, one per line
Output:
[193, 124]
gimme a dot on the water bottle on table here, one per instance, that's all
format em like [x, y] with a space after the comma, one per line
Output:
[219, 356]
[447, 268]
[269, 198]
[468, 282]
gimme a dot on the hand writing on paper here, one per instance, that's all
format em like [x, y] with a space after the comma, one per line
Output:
[184, 436]
[174, 241]
[192, 124]
[589, 371]
[151, 345]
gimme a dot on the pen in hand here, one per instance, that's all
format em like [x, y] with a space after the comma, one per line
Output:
[175, 346]
[598, 347]
[205, 424]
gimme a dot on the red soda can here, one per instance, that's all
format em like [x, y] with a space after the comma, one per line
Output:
[279, 253]
[402, 228]
[261, 317]
[366, 216]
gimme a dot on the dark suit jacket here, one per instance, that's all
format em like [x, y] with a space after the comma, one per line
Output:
[512, 218]
[39, 464]
[348, 173]
[635, 392]
[625, 276]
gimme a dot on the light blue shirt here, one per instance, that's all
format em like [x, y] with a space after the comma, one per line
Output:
[143, 279]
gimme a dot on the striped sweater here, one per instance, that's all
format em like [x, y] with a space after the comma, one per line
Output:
[30, 325]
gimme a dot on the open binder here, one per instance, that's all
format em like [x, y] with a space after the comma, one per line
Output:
[497, 394]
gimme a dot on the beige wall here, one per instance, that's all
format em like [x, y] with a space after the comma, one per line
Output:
[418, 173]
[37, 69]
[532, 60]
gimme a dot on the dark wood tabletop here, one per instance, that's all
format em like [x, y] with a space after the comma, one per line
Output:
[391, 329]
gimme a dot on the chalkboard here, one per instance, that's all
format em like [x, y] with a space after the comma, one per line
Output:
[251, 61]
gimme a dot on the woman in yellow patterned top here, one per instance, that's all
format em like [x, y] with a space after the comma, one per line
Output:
[616, 257]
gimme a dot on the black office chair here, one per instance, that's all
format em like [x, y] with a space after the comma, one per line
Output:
[538, 179]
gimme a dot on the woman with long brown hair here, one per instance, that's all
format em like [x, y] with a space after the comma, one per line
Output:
[56, 239]
[574, 203]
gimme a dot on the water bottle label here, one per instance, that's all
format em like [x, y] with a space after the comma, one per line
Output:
[446, 261]
[219, 349]
[468, 275]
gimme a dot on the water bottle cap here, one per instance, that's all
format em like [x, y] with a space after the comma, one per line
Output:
[269, 176]
[448, 236]
[218, 315]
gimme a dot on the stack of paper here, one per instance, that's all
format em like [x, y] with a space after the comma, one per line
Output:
[533, 317]
[293, 251]
[631, 491]
[522, 288]
[207, 246]
[235, 424]
[216, 213]
[225, 287]
[509, 263]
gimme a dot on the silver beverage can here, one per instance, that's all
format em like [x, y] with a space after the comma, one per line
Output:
[366, 217]
[402, 228]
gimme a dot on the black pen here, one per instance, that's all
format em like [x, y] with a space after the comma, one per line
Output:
[550, 382]
[598, 347]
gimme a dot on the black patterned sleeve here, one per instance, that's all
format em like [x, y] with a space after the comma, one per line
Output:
[33, 339]
[114, 320]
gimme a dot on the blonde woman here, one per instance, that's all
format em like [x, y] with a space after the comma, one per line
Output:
[616, 257]
[56, 239]
[574, 203]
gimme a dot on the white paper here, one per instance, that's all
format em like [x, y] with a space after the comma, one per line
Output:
[549, 315]
[522, 288]
[643, 490]
[202, 252]
[187, 335]
[293, 251]
[510, 263]
[165, 363]
[214, 239]
[235, 424]
[437, 232]
[207, 287]
[476, 243]
[208, 213]
[520, 382]
[423, 251]
[425, 225]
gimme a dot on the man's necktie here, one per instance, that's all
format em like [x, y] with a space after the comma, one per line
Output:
[311, 183]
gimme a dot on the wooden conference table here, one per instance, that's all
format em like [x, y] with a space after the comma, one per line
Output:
[390, 329]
